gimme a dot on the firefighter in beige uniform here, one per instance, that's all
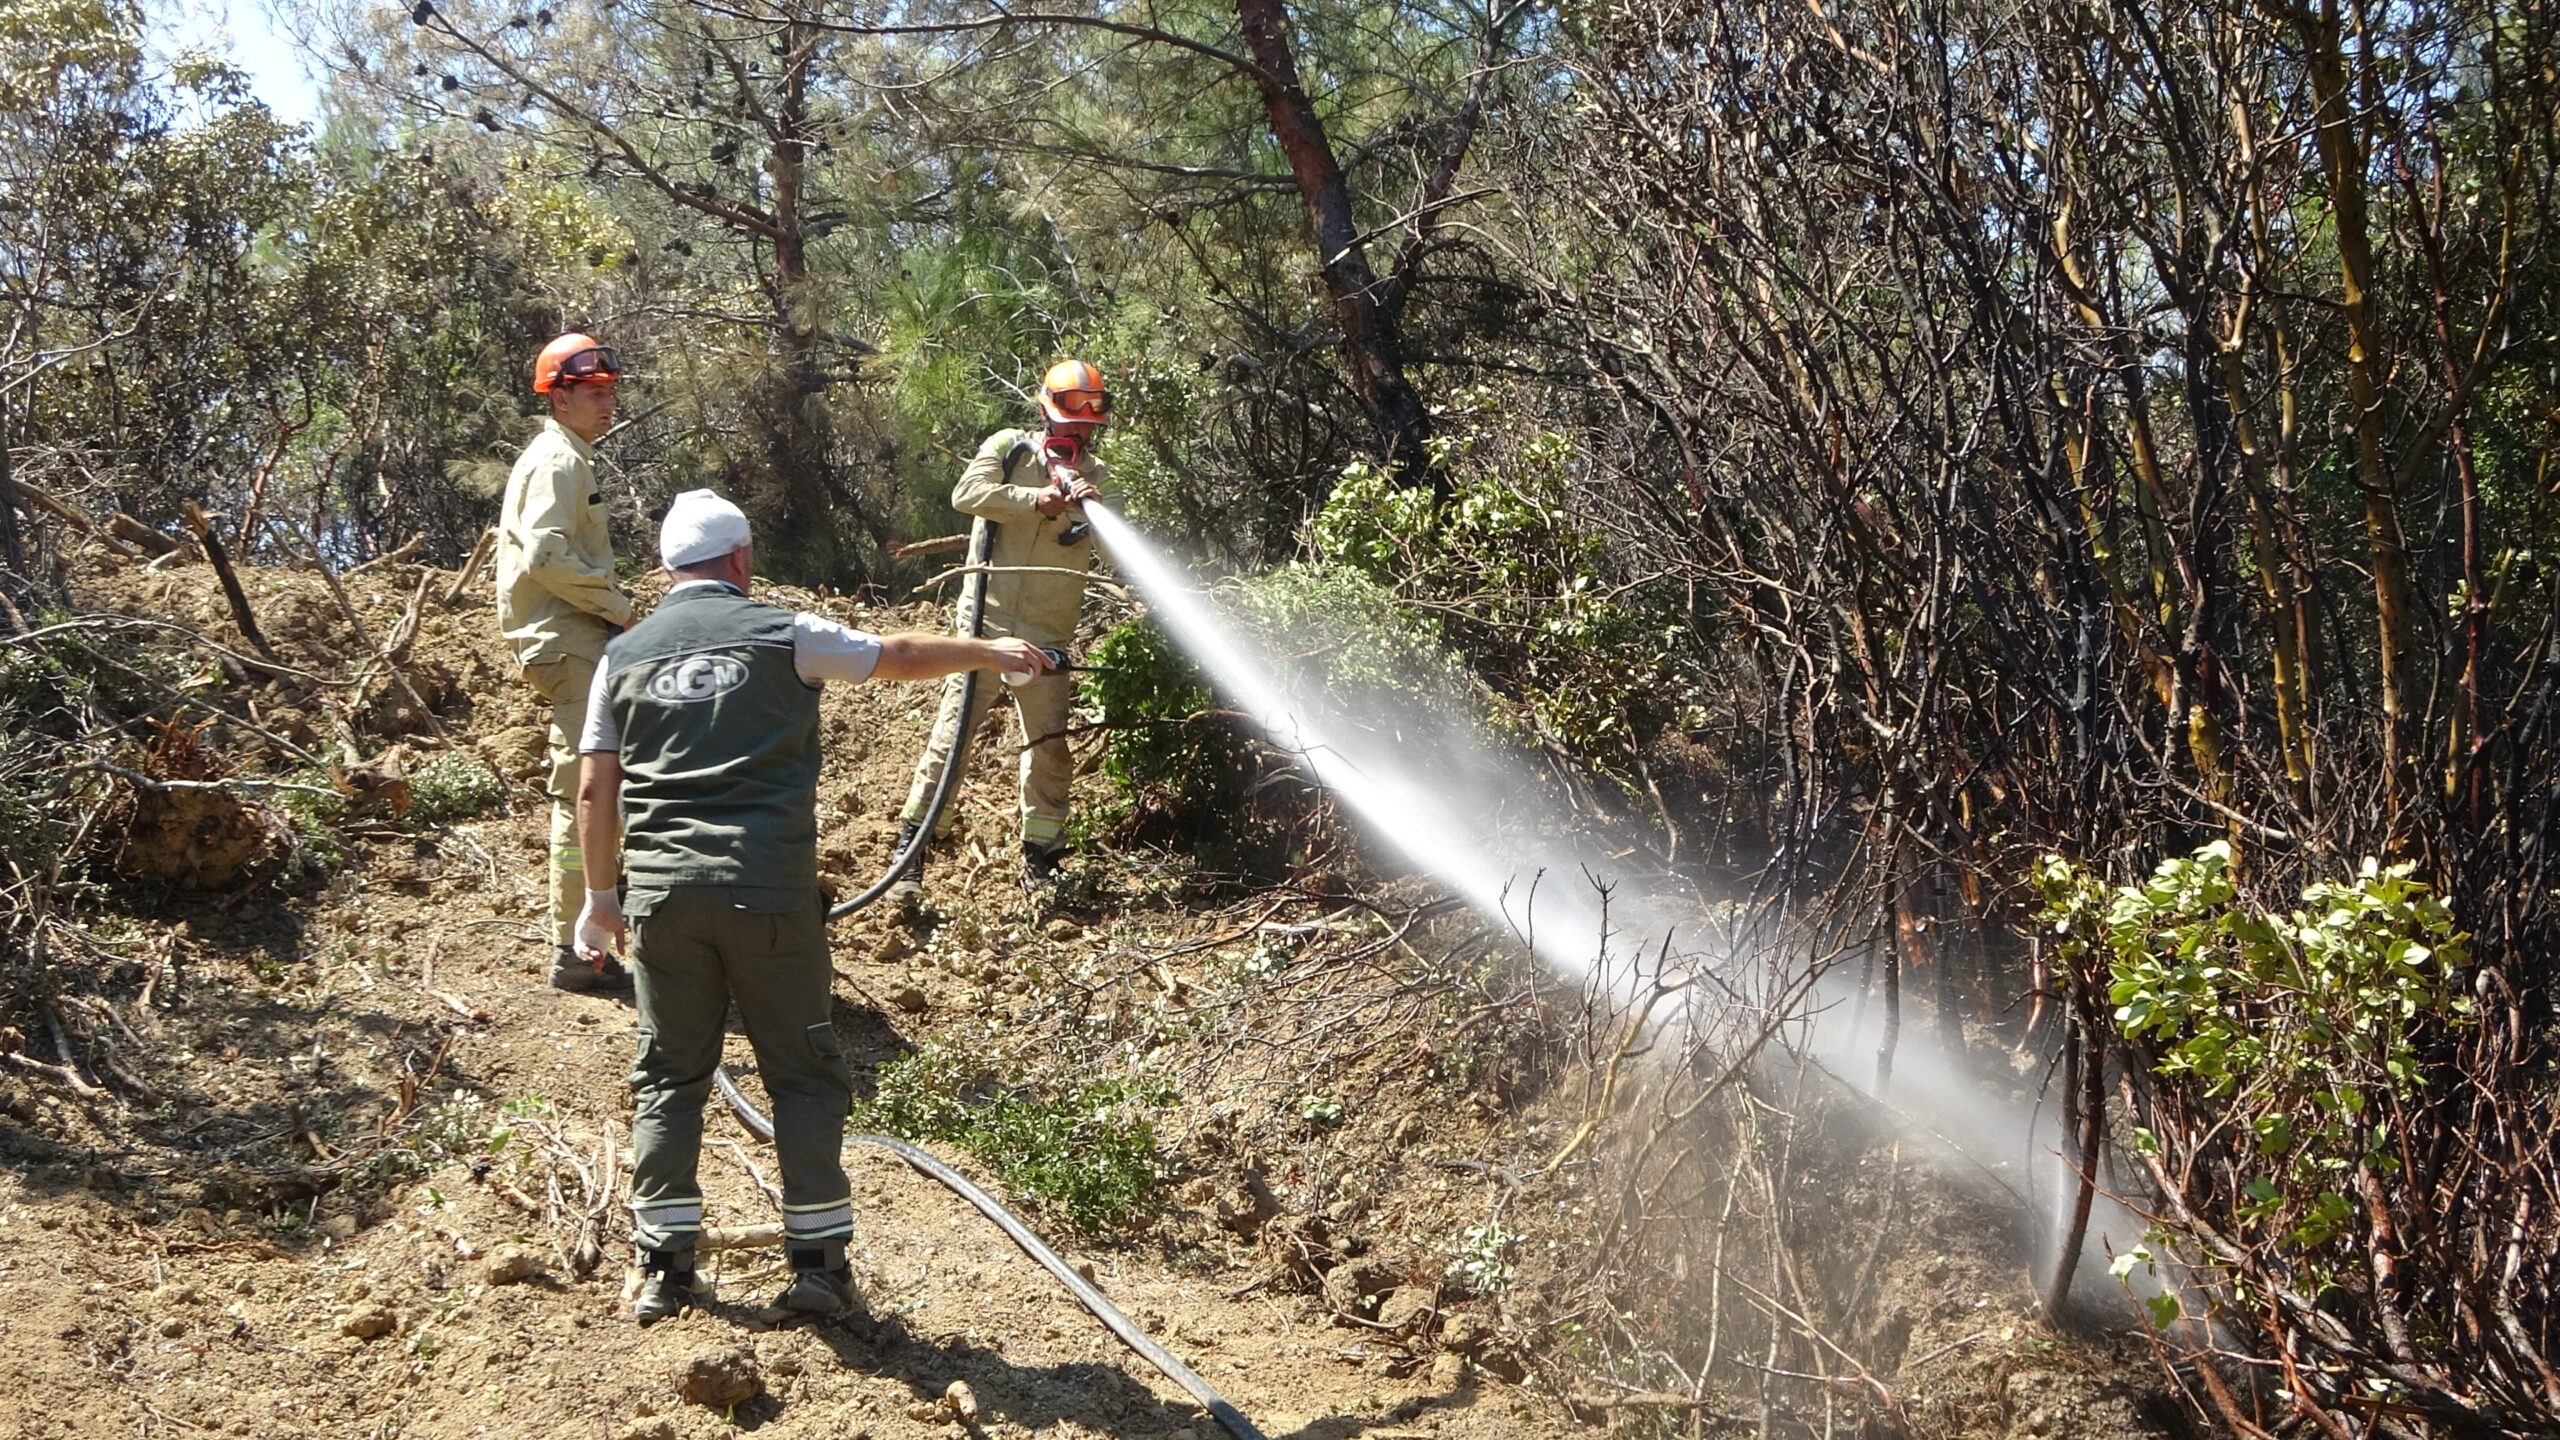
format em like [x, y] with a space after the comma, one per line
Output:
[1030, 487]
[558, 603]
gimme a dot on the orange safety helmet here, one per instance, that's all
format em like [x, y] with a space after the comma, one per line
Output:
[1072, 393]
[573, 357]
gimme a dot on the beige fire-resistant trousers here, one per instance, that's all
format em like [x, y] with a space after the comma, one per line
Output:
[1040, 708]
[564, 682]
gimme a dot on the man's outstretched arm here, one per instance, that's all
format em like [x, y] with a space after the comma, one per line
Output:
[917, 655]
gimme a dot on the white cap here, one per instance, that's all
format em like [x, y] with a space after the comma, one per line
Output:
[700, 526]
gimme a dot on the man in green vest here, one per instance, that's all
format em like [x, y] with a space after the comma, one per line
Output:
[558, 601]
[701, 741]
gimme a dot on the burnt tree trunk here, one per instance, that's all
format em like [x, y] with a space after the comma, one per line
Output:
[1372, 338]
[2084, 1118]
[13, 549]
[2343, 159]
[797, 449]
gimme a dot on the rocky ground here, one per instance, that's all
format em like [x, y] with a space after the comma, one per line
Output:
[332, 1162]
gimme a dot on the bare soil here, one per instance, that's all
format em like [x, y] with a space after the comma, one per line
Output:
[350, 1171]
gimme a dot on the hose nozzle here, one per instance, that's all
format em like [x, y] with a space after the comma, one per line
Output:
[1060, 662]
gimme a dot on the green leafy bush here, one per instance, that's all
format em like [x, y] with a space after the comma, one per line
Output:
[312, 803]
[82, 677]
[1086, 1153]
[1522, 582]
[32, 683]
[30, 834]
[1169, 756]
[453, 786]
[1355, 644]
[1480, 1258]
[2299, 1036]
[312, 809]
[1186, 772]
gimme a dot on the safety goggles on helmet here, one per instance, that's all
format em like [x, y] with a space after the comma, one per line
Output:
[1079, 404]
[1072, 393]
[595, 362]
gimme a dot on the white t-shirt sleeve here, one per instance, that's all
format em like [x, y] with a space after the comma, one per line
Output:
[599, 734]
[823, 650]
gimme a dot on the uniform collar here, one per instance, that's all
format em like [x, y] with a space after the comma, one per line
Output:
[692, 588]
[576, 441]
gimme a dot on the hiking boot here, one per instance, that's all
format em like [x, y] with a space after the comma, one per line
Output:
[1039, 868]
[906, 897]
[822, 1294]
[666, 1285]
[571, 972]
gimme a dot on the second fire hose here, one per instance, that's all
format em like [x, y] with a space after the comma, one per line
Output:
[972, 622]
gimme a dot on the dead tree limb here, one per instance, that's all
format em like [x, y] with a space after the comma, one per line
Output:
[481, 550]
[142, 537]
[220, 559]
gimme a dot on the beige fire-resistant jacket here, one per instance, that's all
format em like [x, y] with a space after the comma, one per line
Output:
[1003, 485]
[556, 591]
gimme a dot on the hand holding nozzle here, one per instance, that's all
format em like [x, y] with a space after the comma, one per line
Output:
[1058, 660]
[1078, 528]
[1019, 660]
[1067, 487]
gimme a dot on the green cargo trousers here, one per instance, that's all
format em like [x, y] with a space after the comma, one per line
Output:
[694, 948]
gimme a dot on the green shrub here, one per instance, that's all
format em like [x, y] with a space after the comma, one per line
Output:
[32, 685]
[2290, 1047]
[1169, 755]
[453, 786]
[1480, 1258]
[31, 835]
[1523, 582]
[310, 807]
[454, 1128]
[1086, 1153]
[316, 849]
[82, 676]
[1186, 772]
[1364, 658]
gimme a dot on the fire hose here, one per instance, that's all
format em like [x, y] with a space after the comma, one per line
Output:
[972, 623]
[1091, 1298]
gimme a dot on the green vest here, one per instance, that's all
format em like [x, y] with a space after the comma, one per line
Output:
[719, 745]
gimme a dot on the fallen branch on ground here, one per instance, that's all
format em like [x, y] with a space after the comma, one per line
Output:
[392, 557]
[935, 546]
[141, 781]
[1116, 590]
[241, 614]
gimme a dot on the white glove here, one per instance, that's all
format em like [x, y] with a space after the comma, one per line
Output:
[1037, 660]
[600, 927]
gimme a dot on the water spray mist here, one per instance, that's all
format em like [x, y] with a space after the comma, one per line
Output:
[1439, 796]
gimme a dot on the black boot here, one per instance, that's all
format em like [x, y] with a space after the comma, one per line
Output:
[821, 1286]
[666, 1285]
[572, 973]
[908, 893]
[1040, 868]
